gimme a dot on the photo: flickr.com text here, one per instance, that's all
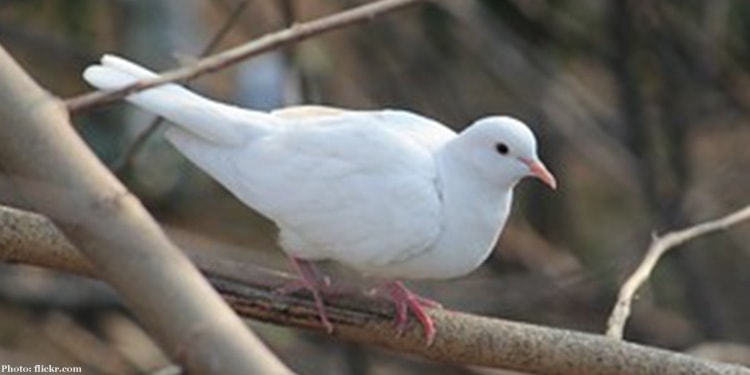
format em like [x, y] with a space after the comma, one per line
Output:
[40, 369]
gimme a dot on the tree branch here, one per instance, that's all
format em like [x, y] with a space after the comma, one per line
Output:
[296, 33]
[127, 156]
[659, 246]
[462, 338]
[44, 158]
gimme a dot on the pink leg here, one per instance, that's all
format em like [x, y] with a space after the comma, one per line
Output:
[404, 300]
[310, 281]
[297, 285]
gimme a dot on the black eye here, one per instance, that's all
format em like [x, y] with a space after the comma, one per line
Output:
[502, 148]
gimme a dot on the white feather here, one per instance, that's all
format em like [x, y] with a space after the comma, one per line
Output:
[201, 117]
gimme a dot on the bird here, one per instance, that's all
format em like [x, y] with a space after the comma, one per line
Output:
[390, 193]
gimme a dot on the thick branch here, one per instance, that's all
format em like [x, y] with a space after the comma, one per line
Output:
[659, 246]
[461, 339]
[296, 33]
[45, 159]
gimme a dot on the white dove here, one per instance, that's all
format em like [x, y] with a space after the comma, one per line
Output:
[390, 193]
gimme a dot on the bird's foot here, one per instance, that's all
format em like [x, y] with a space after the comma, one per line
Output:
[295, 286]
[312, 282]
[405, 300]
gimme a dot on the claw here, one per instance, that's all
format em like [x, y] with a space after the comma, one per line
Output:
[405, 300]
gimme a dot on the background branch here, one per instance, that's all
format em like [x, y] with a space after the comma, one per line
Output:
[48, 162]
[127, 156]
[659, 246]
[462, 338]
[297, 32]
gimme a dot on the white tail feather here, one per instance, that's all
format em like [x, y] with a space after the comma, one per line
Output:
[196, 115]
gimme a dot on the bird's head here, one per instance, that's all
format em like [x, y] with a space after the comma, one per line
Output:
[503, 150]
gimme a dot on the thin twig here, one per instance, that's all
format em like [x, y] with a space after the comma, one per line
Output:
[126, 159]
[129, 154]
[659, 246]
[296, 33]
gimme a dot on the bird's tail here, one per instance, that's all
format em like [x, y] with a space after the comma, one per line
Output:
[196, 115]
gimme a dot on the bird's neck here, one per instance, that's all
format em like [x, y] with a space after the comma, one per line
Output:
[474, 214]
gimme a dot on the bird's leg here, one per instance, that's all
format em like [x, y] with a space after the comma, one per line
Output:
[311, 281]
[405, 300]
[322, 282]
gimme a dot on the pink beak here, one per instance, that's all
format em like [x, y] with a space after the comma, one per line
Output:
[541, 172]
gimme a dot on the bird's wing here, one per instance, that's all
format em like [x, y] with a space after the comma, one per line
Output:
[347, 187]
[424, 131]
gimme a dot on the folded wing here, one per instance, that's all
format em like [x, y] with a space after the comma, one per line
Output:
[345, 187]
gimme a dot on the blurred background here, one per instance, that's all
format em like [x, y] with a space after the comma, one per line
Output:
[641, 106]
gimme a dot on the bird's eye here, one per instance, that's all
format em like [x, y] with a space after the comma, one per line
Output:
[502, 148]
